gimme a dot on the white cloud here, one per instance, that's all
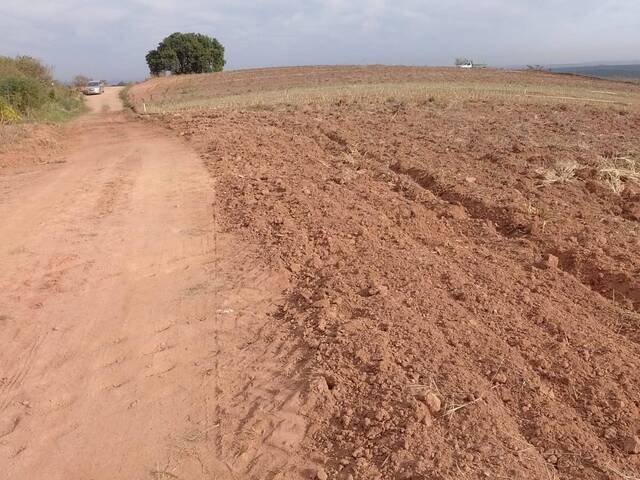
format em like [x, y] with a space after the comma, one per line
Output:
[110, 38]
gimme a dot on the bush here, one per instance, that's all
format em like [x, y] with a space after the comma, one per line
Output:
[187, 53]
[7, 114]
[24, 94]
[8, 68]
[79, 81]
[28, 90]
[33, 68]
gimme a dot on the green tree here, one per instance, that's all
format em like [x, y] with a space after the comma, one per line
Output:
[162, 59]
[182, 53]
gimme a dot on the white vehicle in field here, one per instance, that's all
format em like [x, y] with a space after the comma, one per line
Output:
[94, 87]
[464, 62]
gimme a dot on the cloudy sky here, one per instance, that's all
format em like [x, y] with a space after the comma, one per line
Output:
[109, 38]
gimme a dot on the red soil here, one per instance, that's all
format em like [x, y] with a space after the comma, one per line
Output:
[462, 319]
[28, 145]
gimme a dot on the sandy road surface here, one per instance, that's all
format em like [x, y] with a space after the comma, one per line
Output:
[129, 327]
[108, 102]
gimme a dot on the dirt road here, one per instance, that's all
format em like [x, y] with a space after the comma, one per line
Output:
[129, 325]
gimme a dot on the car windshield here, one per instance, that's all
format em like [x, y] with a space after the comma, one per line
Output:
[94, 84]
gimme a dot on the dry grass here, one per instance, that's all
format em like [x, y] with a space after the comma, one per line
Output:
[439, 93]
[563, 171]
[242, 85]
[11, 134]
[623, 476]
[453, 408]
[617, 171]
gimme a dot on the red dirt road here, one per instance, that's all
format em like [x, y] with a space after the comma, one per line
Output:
[128, 325]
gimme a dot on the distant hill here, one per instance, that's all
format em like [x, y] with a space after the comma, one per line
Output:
[627, 72]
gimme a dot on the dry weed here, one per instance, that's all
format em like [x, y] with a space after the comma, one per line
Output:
[435, 93]
[10, 134]
[453, 408]
[617, 171]
[624, 476]
[563, 171]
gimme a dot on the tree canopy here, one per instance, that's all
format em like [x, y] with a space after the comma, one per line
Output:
[182, 53]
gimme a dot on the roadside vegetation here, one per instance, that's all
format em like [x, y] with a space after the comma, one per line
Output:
[124, 95]
[28, 92]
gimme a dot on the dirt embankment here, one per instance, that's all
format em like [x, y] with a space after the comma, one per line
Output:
[25, 145]
[466, 313]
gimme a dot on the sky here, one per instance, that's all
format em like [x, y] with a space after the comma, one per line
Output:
[109, 39]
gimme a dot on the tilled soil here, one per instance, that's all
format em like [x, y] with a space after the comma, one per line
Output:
[463, 316]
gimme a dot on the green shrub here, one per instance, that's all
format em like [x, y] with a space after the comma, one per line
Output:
[69, 101]
[8, 68]
[7, 114]
[22, 93]
[28, 90]
[33, 68]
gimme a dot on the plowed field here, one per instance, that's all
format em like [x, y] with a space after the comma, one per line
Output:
[463, 260]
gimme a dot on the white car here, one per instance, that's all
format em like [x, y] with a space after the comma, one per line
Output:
[94, 88]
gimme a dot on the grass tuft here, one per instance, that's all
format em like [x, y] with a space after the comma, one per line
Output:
[617, 171]
[11, 133]
[563, 171]
[124, 96]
